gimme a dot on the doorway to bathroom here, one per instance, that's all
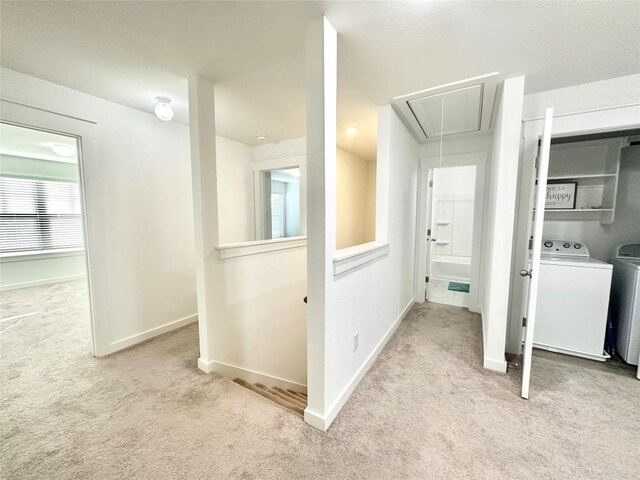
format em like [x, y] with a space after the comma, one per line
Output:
[450, 229]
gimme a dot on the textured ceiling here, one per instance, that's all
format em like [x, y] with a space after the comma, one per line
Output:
[130, 52]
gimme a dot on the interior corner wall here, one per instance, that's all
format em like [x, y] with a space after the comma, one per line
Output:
[141, 188]
[500, 222]
[235, 188]
[372, 300]
[353, 202]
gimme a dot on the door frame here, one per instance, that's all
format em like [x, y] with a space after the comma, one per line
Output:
[84, 132]
[479, 159]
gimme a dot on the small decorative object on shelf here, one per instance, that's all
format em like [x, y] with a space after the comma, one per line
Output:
[561, 196]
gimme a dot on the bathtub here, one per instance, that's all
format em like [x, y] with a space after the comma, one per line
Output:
[451, 267]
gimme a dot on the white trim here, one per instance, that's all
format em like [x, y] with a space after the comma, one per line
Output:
[357, 256]
[323, 423]
[495, 365]
[47, 281]
[149, 334]
[581, 112]
[232, 250]
[251, 376]
[37, 254]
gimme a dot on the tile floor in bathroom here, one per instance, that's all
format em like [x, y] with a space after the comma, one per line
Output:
[439, 293]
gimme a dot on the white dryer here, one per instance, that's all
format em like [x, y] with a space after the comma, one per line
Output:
[625, 301]
[573, 301]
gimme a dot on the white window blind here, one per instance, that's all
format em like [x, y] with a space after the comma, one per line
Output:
[38, 215]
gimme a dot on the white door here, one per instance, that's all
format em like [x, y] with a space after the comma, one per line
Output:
[430, 239]
[531, 271]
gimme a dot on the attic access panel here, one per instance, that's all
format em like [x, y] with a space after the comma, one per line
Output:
[462, 111]
[468, 107]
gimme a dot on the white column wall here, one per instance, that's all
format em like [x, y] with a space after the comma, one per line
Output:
[500, 225]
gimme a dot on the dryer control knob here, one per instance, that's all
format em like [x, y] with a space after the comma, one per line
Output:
[566, 245]
[548, 244]
[577, 245]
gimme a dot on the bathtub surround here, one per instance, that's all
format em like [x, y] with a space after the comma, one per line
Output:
[452, 222]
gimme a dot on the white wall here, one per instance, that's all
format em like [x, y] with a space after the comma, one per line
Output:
[251, 310]
[140, 197]
[235, 188]
[21, 272]
[608, 105]
[353, 201]
[371, 200]
[499, 225]
[371, 299]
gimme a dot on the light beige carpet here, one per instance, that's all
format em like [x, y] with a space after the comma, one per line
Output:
[426, 410]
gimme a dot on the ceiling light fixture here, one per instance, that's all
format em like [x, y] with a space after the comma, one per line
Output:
[351, 131]
[64, 149]
[261, 137]
[163, 109]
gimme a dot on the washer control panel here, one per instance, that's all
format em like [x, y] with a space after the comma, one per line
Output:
[564, 248]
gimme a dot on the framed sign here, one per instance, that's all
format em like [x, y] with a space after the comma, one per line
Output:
[561, 196]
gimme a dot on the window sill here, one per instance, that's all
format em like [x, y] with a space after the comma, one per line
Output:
[358, 256]
[38, 254]
[232, 250]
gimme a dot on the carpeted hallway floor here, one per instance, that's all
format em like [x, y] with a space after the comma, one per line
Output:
[426, 410]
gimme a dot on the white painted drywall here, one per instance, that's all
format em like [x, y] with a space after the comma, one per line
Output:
[251, 309]
[27, 271]
[608, 105]
[235, 188]
[372, 299]
[353, 201]
[371, 200]
[139, 190]
[499, 225]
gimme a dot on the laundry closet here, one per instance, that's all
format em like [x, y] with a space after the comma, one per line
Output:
[588, 300]
[591, 208]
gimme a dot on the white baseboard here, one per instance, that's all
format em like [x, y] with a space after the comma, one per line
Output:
[146, 335]
[251, 376]
[495, 365]
[35, 283]
[323, 422]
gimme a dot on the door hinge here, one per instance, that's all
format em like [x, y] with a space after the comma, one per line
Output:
[426, 279]
[524, 321]
[428, 232]
[431, 183]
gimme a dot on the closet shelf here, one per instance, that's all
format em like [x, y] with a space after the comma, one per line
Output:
[443, 223]
[547, 210]
[577, 177]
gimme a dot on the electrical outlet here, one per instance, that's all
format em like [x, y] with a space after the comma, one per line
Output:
[355, 342]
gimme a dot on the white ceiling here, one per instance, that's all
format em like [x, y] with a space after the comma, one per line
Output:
[29, 143]
[130, 52]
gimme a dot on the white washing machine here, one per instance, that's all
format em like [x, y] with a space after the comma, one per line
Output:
[625, 301]
[573, 301]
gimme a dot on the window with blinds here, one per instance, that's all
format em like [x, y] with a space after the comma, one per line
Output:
[39, 215]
